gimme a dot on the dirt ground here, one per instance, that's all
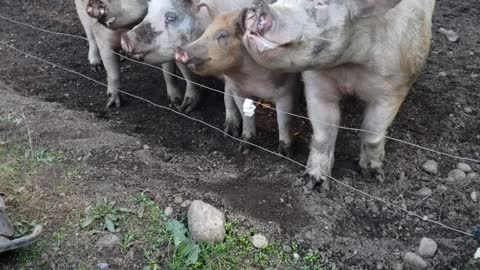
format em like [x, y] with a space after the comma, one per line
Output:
[68, 113]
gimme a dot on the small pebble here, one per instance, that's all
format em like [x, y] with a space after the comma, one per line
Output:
[424, 192]
[468, 110]
[146, 147]
[186, 203]
[450, 34]
[457, 175]
[298, 182]
[415, 261]
[178, 200]
[472, 176]
[464, 167]
[442, 188]
[296, 256]
[168, 211]
[103, 266]
[427, 247]
[442, 74]
[431, 166]
[259, 241]
[286, 248]
[349, 199]
[474, 196]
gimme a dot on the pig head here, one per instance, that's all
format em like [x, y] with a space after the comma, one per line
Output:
[117, 14]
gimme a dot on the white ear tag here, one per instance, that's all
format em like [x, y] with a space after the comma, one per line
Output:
[248, 107]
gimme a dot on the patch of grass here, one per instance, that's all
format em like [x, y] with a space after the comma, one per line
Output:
[107, 212]
[473, 264]
[166, 244]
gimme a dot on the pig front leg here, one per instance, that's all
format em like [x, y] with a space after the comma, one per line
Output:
[249, 131]
[192, 95]
[323, 107]
[108, 42]
[174, 94]
[233, 118]
[285, 105]
[88, 25]
[378, 117]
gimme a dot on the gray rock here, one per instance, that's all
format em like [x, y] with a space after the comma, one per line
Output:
[472, 176]
[464, 167]
[186, 203]
[457, 175]
[474, 196]
[415, 261]
[206, 223]
[178, 200]
[450, 34]
[287, 249]
[168, 211]
[468, 110]
[107, 241]
[103, 266]
[424, 192]
[259, 241]
[431, 166]
[427, 248]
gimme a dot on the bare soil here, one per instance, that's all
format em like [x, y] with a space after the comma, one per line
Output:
[68, 113]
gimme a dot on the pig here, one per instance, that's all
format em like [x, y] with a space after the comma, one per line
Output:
[103, 23]
[220, 52]
[170, 24]
[373, 49]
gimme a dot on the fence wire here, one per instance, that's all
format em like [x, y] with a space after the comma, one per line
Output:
[389, 204]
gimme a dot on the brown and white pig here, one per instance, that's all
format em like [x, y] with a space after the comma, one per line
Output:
[173, 23]
[104, 21]
[374, 49]
[220, 52]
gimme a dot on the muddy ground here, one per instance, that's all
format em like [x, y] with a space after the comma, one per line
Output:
[188, 158]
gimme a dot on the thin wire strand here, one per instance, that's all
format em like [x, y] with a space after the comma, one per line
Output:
[242, 141]
[258, 103]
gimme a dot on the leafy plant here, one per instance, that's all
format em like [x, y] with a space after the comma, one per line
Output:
[185, 247]
[107, 212]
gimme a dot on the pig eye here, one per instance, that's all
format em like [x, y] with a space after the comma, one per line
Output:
[222, 35]
[170, 17]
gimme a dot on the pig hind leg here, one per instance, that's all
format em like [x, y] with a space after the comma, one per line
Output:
[233, 118]
[323, 108]
[192, 95]
[378, 117]
[108, 43]
[174, 94]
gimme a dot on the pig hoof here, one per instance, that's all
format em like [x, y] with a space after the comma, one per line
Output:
[96, 9]
[96, 67]
[188, 105]
[114, 99]
[232, 129]
[246, 147]
[285, 149]
[174, 102]
[375, 173]
[310, 182]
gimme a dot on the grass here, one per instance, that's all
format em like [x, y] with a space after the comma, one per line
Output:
[166, 244]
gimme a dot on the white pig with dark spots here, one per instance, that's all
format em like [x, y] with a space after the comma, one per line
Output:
[170, 24]
[104, 21]
[220, 52]
[373, 49]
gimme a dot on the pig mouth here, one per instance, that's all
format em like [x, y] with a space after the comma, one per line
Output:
[196, 63]
[258, 25]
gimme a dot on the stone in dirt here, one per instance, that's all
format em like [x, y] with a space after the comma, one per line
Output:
[424, 192]
[431, 166]
[464, 167]
[259, 241]
[107, 241]
[415, 261]
[103, 266]
[178, 200]
[206, 223]
[427, 247]
[450, 34]
[457, 175]
[474, 196]
[168, 211]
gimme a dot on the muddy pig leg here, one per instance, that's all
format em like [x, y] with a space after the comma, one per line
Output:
[174, 94]
[248, 123]
[88, 24]
[233, 119]
[285, 106]
[378, 117]
[323, 107]
[109, 42]
[192, 94]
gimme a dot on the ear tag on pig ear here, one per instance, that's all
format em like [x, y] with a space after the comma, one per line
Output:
[248, 107]
[110, 21]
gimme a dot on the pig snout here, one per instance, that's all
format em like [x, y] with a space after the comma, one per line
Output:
[96, 9]
[181, 55]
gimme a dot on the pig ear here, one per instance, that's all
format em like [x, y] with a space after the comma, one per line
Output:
[240, 22]
[196, 7]
[369, 8]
